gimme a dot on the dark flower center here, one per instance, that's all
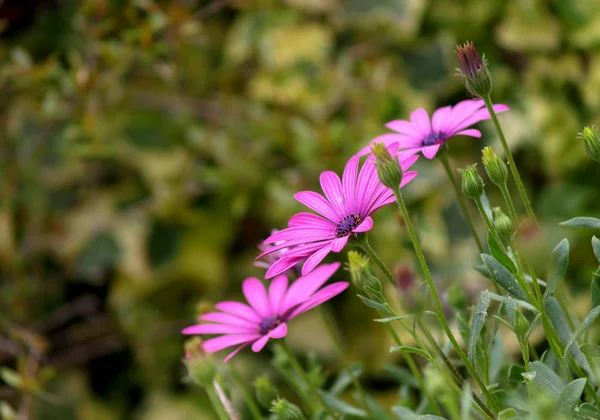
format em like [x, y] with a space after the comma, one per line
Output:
[347, 225]
[433, 138]
[269, 324]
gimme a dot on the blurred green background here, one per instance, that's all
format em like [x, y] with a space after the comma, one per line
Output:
[147, 147]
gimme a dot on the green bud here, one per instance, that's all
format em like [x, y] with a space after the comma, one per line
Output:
[389, 170]
[474, 71]
[592, 142]
[472, 184]
[457, 297]
[201, 366]
[285, 410]
[495, 167]
[521, 325]
[360, 272]
[504, 226]
[264, 391]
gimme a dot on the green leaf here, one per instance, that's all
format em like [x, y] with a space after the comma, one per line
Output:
[587, 323]
[582, 222]
[596, 247]
[11, 377]
[498, 252]
[410, 349]
[596, 289]
[344, 379]
[465, 402]
[590, 410]
[483, 270]
[590, 349]
[342, 406]
[503, 277]
[558, 267]
[401, 375]
[507, 414]
[569, 398]
[394, 318]
[375, 305]
[477, 320]
[546, 379]
[509, 300]
[404, 413]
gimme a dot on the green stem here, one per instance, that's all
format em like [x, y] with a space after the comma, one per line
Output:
[366, 246]
[488, 222]
[252, 405]
[436, 299]
[511, 162]
[461, 199]
[216, 403]
[296, 365]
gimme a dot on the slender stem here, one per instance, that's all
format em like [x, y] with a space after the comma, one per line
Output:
[436, 299]
[296, 365]
[366, 246]
[511, 162]
[488, 222]
[252, 405]
[216, 403]
[461, 199]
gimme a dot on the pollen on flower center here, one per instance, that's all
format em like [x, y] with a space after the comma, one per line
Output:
[347, 225]
[269, 324]
[433, 138]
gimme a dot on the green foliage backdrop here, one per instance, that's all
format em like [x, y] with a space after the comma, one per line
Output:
[146, 148]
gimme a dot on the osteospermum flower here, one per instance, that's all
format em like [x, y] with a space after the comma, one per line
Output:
[425, 135]
[271, 258]
[267, 314]
[344, 211]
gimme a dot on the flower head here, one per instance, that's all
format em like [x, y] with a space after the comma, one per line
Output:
[344, 211]
[474, 70]
[425, 135]
[472, 184]
[592, 142]
[494, 166]
[267, 314]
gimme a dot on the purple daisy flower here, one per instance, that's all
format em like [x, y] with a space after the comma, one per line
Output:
[267, 314]
[421, 134]
[344, 211]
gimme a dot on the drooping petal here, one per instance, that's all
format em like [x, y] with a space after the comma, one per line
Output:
[233, 353]
[260, 343]
[407, 177]
[365, 226]
[430, 151]
[277, 291]
[420, 119]
[225, 318]
[279, 331]
[314, 260]
[219, 329]
[239, 309]
[407, 161]
[332, 187]
[339, 243]
[319, 297]
[256, 295]
[282, 265]
[224, 341]
[471, 132]
[318, 203]
[306, 285]
[349, 183]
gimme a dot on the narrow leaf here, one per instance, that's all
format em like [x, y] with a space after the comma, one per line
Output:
[590, 349]
[569, 398]
[582, 222]
[477, 320]
[558, 267]
[596, 247]
[410, 349]
[342, 406]
[483, 270]
[508, 300]
[596, 289]
[587, 323]
[546, 379]
[498, 252]
[375, 305]
[403, 413]
[503, 277]
[509, 413]
[394, 318]
[344, 379]
[465, 402]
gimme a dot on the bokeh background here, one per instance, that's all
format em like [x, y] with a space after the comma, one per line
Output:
[147, 147]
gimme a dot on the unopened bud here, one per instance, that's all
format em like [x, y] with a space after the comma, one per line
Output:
[521, 325]
[285, 410]
[472, 184]
[495, 167]
[201, 366]
[592, 142]
[361, 273]
[388, 167]
[474, 70]
[264, 391]
[204, 307]
[504, 226]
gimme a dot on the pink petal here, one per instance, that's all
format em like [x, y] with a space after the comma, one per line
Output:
[233, 353]
[306, 233]
[314, 260]
[306, 285]
[282, 265]
[407, 177]
[219, 329]
[224, 341]
[349, 183]
[367, 184]
[238, 309]
[404, 127]
[339, 243]
[332, 187]
[279, 332]
[388, 139]
[440, 117]
[470, 132]
[321, 296]
[365, 226]
[407, 162]
[260, 343]
[430, 151]
[256, 295]
[420, 119]
[317, 203]
[277, 291]
[224, 318]
[310, 220]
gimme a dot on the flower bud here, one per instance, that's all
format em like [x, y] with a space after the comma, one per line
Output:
[200, 365]
[472, 184]
[264, 391]
[474, 71]
[285, 410]
[504, 226]
[204, 307]
[592, 142]
[360, 272]
[521, 325]
[389, 170]
[495, 167]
